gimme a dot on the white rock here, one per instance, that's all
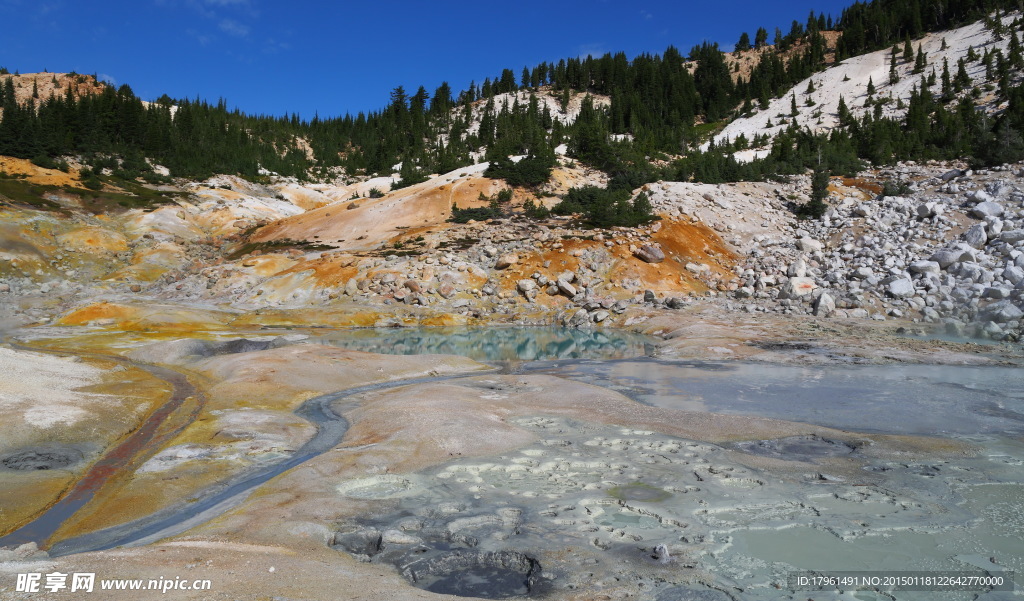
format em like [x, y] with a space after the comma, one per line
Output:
[1012, 236]
[506, 261]
[566, 288]
[825, 305]
[902, 288]
[807, 244]
[975, 236]
[1014, 274]
[797, 269]
[1002, 312]
[924, 267]
[797, 288]
[987, 209]
[526, 285]
[948, 256]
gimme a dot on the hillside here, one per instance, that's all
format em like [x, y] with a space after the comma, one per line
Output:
[819, 110]
[40, 87]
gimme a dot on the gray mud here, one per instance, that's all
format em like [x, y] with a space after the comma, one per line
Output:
[592, 504]
[493, 344]
[896, 399]
[43, 457]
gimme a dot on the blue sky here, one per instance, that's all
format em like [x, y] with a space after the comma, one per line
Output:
[325, 57]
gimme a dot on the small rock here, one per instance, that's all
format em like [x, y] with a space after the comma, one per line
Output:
[650, 254]
[951, 175]
[902, 288]
[447, 290]
[825, 305]
[987, 209]
[1014, 274]
[506, 261]
[863, 273]
[1012, 236]
[797, 269]
[566, 288]
[676, 303]
[526, 286]
[807, 244]
[1002, 312]
[925, 210]
[600, 316]
[397, 537]
[947, 257]
[797, 288]
[577, 319]
[975, 236]
[925, 267]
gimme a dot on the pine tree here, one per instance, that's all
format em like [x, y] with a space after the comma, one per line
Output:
[908, 50]
[793, 111]
[894, 76]
[761, 38]
[843, 112]
[961, 80]
[1015, 51]
[921, 61]
[947, 83]
[871, 87]
[744, 43]
[816, 207]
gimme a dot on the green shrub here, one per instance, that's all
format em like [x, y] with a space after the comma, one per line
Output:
[607, 207]
[531, 171]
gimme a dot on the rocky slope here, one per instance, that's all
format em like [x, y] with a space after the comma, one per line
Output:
[818, 110]
[947, 250]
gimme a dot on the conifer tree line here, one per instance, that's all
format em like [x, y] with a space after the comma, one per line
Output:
[661, 101]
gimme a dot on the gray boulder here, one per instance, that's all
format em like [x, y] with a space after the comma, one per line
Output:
[1014, 274]
[901, 288]
[951, 175]
[924, 267]
[825, 305]
[1012, 236]
[1002, 312]
[650, 254]
[797, 288]
[948, 256]
[975, 236]
[987, 209]
[807, 244]
[526, 286]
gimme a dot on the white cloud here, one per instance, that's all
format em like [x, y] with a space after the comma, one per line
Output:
[203, 39]
[595, 50]
[232, 27]
[274, 46]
